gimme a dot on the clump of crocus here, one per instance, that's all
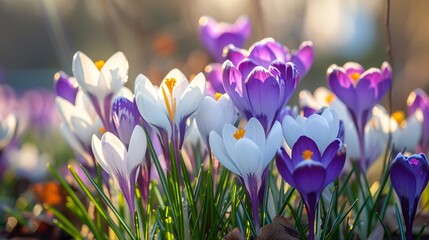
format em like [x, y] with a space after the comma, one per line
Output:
[409, 177]
[247, 153]
[360, 91]
[310, 170]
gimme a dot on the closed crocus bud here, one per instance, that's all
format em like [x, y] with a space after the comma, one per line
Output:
[213, 114]
[409, 177]
[419, 101]
[217, 35]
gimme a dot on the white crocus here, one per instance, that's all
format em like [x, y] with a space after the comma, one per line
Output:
[246, 152]
[322, 128]
[213, 114]
[101, 80]
[80, 122]
[406, 133]
[168, 107]
[120, 163]
[7, 129]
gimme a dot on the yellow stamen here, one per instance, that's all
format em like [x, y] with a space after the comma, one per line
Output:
[307, 154]
[330, 98]
[99, 64]
[218, 95]
[168, 105]
[102, 130]
[399, 116]
[170, 83]
[239, 133]
[355, 77]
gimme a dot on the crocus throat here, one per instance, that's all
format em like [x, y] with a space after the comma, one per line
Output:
[413, 161]
[102, 130]
[239, 133]
[399, 117]
[170, 104]
[218, 95]
[307, 154]
[99, 64]
[330, 98]
[355, 77]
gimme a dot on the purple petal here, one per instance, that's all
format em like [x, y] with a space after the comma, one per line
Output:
[124, 119]
[234, 54]
[309, 177]
[284, 165]
[303, 144]
[334, 159]
[352, 67]
[213, 74]
[246, 66]
[303, 58]
[233, 85]
[65, 87]
[289, 77]
[266, 51]
[263, 91]
[342, 86]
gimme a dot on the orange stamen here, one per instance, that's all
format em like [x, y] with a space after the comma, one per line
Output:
[399, 116]
[239, 133]
[99, 64]
[307, 154]
[355, 77]
[217, 96]
[330, 98]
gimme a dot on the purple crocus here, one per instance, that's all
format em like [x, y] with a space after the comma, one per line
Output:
[66, 86]
[310, 171]
[217, 35]
[409, 177]
[418, 100]
[124, 118]
[266, 51]
[360, 91]
[260, 91]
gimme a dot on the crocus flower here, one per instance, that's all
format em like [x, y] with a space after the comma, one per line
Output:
[168, 108]
[80, 122]
[65, 86]
[122, 163]
[213, 114]
[360, 91]
[409, 177]
[310, 170]
[266, 51]
[213, 74]
[101, 81]
[125, 116]
[247, 153]
[419, 101]
[217, 35]
[322, 128]
[259, 91]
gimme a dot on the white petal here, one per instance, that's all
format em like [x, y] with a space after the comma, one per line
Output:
[317, 129]
[126, 93]
[209, 117]
[180, 86]
[153, 113]
[85, 71]
[228, 132]
[255, 132]
[114, 153]
[247, 157]
[98, 153]
[75, 144]
[219, 150]
[115, 71]
[83, 129]
[274, 141]
[191, 98]
[144, 85]
[291, 130]
[137, 148]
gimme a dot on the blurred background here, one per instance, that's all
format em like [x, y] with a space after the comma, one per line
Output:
[39, 37]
